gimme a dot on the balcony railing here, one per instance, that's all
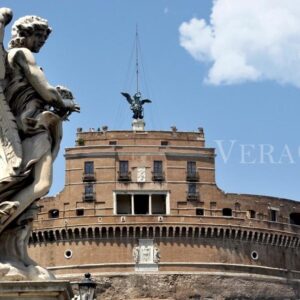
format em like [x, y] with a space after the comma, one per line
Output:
[192, 176]
[86, 177]
[89, 196]
[192, 196]
[158, 176]
[124, 176]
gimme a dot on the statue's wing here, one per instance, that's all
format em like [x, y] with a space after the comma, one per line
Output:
[10, 144]
[146, 101]
[128, 97]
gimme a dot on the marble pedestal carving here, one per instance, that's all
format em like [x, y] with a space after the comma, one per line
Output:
[29, 290]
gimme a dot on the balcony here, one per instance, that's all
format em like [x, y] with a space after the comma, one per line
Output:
[89, 196]
[88, 177]
[158, 176]
[124, 176]
[192, 196]
[192, 176]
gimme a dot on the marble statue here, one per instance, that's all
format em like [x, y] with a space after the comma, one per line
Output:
[136, 104]
[31, 116]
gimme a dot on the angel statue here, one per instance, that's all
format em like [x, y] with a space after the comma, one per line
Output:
[136, 105]
[31, 116]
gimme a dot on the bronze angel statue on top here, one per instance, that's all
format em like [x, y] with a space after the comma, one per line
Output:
[136, 104]
[31, 116]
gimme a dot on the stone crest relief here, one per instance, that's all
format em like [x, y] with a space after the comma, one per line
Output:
[141, 174]
[146, 255]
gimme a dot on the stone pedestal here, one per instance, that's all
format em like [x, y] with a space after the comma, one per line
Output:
[35, 290]
[138, 125]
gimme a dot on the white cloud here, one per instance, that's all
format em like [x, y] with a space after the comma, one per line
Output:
[247, 40]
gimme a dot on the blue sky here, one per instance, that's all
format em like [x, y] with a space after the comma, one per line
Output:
[241, 86]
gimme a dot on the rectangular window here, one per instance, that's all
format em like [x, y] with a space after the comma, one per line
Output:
[89, 194]
[273, 215]
[89, 189]
[124, 174]
[123, 204]
[199, 211]
[123, 165]
[164, 143]
[157, 167]
[192, 188]
[112, 143]
[158, 204]
[252, 214]
[191, 171]
[191, 167]
[79, 212]
[89, 167]
[141, 204]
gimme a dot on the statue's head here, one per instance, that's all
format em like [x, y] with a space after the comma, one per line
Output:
[30, 32]
[137, 95]
[64, 92]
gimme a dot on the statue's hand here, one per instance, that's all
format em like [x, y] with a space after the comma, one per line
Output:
[71, 105]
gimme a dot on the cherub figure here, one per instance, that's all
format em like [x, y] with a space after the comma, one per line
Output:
[31, 115]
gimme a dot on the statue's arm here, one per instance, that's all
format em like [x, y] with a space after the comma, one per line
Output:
[25, 59]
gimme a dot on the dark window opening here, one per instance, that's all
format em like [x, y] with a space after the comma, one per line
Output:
[227, 212]
[273, 215]
[89, 194]
[53, 213]
[164, 143]
[199, 211]
[124, 170]
[157, 166]
[192, 188]
[123, 204]
[89, 189]
[192, 193]
[112, 143]
[158, 204]
[88, 174]
[158, 170]
[79, 212]
[191, 171]
[252, 214]
[191, 167]
[89, 167]
[295, 218]
[141, 204]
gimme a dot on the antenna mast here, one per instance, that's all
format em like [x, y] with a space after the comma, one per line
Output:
[137, 58]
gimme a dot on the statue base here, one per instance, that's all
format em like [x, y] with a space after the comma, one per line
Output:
[138, 125]
[38, 290]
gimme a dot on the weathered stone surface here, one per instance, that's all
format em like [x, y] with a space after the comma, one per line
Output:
[192, 286]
